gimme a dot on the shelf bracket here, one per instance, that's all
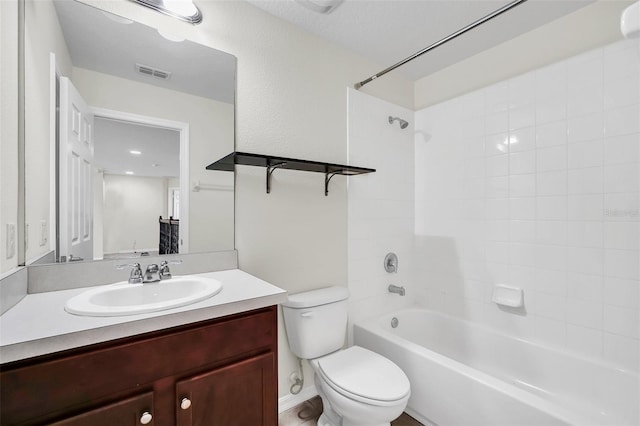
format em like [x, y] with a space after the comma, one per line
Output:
[270, 170]
[327, 178]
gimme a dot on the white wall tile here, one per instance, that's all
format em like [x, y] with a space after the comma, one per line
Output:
[522, 162]
[549, 159]
[585, 259]
[586, 100]
[584, 286]
[622, 235]
[585, 207]
[496, 144]
[584, 313]
[535, 182]
[552, 110]
[621, 321]
[586, 127]
[523, 231]
[585, 154]
[522, 139]
[497, 122]
[521, 208]
[522, 185]
[585, 181]
[621, 92]
[621, 62]
[551, 208]
[622, 178]
[585, 233]
[622, 121]
[551, 232]
[621, 264]
[622, 149]
[522, 116]
[497, 165]
[622, 292]
[551, 183]
[550, 306]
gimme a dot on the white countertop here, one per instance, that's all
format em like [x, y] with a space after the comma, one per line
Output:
[39, 325]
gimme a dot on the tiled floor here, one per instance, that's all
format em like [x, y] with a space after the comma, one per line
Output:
[307, 413]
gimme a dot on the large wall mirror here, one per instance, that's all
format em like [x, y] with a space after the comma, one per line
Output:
[121, 121]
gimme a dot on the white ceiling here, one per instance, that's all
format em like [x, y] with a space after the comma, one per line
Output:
[159, 147]
[387, 31]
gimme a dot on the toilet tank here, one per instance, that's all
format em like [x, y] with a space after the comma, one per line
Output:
[316, 321]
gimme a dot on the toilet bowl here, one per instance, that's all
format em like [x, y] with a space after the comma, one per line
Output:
[358, 387]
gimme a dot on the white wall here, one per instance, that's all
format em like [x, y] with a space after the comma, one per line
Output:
[291, 101]
[381, 206]
[533, 182]
[128, 220]
[8, 129]
[42, 36]
[210, 212]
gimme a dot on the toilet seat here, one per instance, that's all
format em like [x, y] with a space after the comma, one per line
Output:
[365, 376]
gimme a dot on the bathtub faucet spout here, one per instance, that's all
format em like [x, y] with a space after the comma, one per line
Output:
[396, 289]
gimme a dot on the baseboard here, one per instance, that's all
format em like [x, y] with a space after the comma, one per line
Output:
[289, 401]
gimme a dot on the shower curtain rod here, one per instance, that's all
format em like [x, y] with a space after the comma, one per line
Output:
[461, 31]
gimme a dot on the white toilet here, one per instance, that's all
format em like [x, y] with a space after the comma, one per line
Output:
[357, 386]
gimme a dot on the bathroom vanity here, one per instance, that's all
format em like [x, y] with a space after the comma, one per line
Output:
[215, 365]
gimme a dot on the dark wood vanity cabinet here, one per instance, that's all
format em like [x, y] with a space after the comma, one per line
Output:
[216, 372]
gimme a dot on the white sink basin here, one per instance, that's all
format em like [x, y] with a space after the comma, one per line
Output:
[128, 299]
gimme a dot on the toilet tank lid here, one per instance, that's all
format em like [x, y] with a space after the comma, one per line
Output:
[317, 297]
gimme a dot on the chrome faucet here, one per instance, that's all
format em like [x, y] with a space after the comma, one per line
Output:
[165, 273]
[136, 273]
[152, 274]
[396, 289]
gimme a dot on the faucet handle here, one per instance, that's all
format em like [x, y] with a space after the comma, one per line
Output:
[165, 273]
[136, 273]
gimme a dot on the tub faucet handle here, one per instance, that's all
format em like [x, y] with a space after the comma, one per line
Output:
[391, 263]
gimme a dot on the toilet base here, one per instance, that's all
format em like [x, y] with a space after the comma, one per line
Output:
[333, 417]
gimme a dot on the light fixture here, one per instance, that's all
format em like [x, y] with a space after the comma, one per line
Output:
[128, 172]
[184, 10]
[135, 152]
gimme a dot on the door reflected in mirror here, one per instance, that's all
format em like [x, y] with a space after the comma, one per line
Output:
[133, 120]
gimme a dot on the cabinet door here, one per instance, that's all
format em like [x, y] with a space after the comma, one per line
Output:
[132, 411]
[240, 394]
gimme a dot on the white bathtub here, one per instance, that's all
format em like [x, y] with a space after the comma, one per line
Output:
[465, 374]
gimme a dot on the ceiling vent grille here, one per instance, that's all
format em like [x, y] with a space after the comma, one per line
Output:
[153, 72]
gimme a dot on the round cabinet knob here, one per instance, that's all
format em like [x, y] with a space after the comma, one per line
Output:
[146, 418]
[185, 403]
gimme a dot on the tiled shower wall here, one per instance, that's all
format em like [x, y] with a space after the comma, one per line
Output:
[381, 207]
[533, 182]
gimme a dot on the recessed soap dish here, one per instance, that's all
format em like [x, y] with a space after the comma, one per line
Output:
[505, 295]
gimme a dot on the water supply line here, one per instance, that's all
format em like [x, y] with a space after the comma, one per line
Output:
[296, 387]
[440, 42]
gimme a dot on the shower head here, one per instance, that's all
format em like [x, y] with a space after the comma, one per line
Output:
[403, 123]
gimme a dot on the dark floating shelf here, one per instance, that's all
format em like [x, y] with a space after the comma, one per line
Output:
[272, 163]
